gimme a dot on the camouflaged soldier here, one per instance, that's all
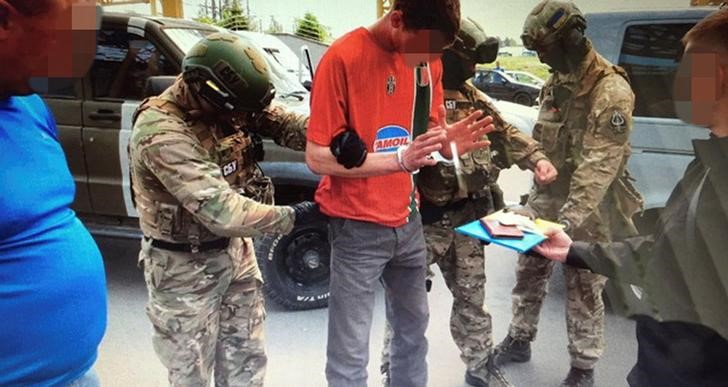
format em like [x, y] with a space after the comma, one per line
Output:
[200, 197]
[584, 124]
[449, 200]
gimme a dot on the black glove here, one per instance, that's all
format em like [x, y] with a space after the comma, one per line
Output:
[307, 213]
[349, 150]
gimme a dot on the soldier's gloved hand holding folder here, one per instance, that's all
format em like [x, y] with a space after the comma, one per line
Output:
[509, 229]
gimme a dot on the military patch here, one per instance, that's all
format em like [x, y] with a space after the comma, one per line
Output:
[391, 84]
[229, 168]
[197, 50]
[619, 124]
[451, 104]
[258, 62]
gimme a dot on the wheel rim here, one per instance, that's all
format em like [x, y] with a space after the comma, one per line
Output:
[523, 99]
[307, 257]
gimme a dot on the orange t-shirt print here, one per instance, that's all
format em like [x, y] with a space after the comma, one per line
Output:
[361, 86]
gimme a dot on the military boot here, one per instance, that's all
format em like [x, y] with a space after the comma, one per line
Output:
[513, 350]
[487, 376]
[578, 377]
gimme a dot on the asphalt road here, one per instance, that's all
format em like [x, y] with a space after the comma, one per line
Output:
[296, 340]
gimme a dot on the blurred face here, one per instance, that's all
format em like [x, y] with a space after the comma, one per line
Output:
[416, 46]
[59, 43]
[700, 84]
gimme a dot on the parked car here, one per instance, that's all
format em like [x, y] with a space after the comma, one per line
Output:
[499, 85]
[647, 45]
[526, 77]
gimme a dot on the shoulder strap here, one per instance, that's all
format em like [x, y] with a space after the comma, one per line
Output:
[164, 105]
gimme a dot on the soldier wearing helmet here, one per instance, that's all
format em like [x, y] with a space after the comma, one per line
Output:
[449, 200]
[584, 124]
[201, 197]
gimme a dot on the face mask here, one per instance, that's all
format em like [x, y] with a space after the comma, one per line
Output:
[555, 57]
[697, 87]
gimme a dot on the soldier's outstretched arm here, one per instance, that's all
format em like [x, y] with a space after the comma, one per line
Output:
[521, 149]
[185, 169]
[524, 150]
[604, 149]
[284, 127]
[623, 261]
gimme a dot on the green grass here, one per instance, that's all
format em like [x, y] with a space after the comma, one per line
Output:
[521, 63]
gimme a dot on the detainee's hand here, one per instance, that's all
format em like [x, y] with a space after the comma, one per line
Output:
[556, 247]
[467, 134]
[417, 154]
[545, 172]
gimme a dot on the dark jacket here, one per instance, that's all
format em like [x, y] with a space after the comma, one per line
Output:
[679, 276]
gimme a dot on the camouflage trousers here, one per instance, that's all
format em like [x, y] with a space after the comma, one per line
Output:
[462, 263]
[584, 307]
[584, 303]
[205, 318]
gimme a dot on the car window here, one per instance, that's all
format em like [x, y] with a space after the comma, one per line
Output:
[496, 78]
[64, 88]
[123, 63]
[650, 54]
[185, 38]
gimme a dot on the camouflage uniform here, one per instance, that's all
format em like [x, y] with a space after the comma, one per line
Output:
[461, 258]
[196, 180]
[584, 124]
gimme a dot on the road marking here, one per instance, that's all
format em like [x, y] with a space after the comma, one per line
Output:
[127, 110]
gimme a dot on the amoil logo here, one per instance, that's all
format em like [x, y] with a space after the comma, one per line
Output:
[389, 138]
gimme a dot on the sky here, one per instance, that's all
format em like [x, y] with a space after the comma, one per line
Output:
[502, 18]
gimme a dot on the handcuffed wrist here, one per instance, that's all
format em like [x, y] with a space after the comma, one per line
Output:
[400, 160]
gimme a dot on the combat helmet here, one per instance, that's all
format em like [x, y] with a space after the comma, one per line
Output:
[231, 73]
[473, 44]
[549, 21]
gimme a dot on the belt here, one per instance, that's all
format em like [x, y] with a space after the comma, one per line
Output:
[217, 244]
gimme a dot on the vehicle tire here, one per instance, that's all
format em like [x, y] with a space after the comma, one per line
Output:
[523, 99]
[295, 267]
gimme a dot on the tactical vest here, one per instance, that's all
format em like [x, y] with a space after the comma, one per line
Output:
[439, 184]
[161, 215]
[561, 126]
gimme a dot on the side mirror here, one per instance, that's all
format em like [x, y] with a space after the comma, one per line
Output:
[156, 85]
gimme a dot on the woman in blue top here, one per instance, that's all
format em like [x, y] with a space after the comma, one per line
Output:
[52, 284]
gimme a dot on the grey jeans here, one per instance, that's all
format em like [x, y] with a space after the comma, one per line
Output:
[363, 254]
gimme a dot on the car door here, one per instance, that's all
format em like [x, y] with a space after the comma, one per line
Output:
[498, 86]
[661, 143]
[125, 58]
[65, 100]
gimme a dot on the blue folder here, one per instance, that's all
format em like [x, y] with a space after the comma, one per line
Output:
[476, 230]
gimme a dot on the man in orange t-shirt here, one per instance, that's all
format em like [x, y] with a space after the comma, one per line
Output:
[364, 110]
